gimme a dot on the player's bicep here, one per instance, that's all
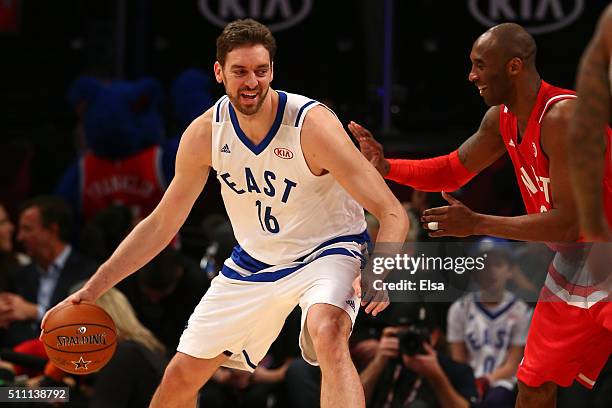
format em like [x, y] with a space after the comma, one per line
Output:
[485, 146]
[327, 146]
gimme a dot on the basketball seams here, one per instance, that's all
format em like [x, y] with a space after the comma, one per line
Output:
[78, 324]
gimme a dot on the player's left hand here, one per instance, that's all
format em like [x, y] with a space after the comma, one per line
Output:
[375, 301]
[454, 220]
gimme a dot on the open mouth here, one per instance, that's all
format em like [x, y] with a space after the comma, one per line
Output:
[249, 95]
[481, 89]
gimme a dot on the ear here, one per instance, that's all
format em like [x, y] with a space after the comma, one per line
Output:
[272, 72]
[514, 66]
[218, 72]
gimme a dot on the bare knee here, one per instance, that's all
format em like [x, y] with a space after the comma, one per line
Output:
[188, 373]
[329, 327]
[179, 376]
[542, 396]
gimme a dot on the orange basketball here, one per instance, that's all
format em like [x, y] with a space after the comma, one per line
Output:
[79, 338]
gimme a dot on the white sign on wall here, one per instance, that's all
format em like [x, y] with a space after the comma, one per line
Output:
[537, 16]
[276, 14]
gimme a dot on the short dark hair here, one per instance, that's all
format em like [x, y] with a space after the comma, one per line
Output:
[53, 210]
[244, 32]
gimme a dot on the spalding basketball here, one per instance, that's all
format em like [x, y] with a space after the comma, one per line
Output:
[79, 338]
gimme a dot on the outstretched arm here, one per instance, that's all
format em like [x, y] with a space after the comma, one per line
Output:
[327, 148]
[587, 136]
[443, 173]
[154, 233]
[558, 224]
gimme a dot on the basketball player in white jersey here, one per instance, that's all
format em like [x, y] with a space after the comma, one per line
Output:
[294, 186]
[593, 113]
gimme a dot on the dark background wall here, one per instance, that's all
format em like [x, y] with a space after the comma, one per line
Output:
[335, 52]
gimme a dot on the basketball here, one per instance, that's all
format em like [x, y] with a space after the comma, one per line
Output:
[79, 338]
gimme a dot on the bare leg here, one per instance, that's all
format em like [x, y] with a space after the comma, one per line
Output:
[330, 328]
[182, 380]
[544, 396]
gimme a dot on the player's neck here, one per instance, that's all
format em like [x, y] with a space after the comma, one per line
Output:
[257, 126]
[524, 99]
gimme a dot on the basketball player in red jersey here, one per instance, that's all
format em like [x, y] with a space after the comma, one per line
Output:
[529, 119]
[593, 112]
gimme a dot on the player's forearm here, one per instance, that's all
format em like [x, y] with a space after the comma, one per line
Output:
[145, 241]
[443, 173]
[551, 226]
[394, 224]
[448, 397]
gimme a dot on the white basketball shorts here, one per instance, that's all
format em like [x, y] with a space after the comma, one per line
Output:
[243, 314]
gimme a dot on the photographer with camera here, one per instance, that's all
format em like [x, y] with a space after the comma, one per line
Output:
[408, 371]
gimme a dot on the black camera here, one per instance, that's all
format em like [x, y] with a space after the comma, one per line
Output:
[411, 340]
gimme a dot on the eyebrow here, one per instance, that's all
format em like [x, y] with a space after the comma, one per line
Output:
[257, 67]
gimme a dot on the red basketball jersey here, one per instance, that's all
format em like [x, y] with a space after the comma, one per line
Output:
[135, 182]
[529, 160]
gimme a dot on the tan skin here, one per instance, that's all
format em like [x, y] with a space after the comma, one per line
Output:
[486, 145]
[515, 83]
[593, 113]
[246, 74]
[44, 245]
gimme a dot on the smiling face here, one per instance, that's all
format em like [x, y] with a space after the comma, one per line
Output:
[489, 71]
[246, 75]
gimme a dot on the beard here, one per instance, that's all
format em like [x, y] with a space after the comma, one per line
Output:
[248, 109]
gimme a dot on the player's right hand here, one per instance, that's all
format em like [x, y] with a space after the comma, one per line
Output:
[77, 297]
[370, 148]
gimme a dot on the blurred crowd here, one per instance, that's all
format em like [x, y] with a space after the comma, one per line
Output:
[416, 354]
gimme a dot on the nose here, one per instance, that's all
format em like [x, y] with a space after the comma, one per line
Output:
[251, 80]
[472, 76]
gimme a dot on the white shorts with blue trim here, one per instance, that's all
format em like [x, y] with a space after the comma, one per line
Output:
[245, 309]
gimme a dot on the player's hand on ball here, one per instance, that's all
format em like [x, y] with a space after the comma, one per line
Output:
[454, 220]
[370, 148]
[77, 297]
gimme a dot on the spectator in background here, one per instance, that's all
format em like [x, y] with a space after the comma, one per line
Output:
[407, 371]
[487, 329]
[104, 232]
[164, 293]
[9, 259]
[44, 231]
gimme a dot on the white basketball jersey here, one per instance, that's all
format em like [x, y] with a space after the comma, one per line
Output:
[280, 212]
[487, 332]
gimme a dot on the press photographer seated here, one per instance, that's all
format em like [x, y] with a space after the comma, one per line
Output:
[408, 371]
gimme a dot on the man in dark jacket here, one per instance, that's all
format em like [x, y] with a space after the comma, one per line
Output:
[44, 231]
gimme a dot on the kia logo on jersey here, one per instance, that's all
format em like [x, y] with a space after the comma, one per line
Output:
[276, 14]
[283, 153]
[537, 16]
